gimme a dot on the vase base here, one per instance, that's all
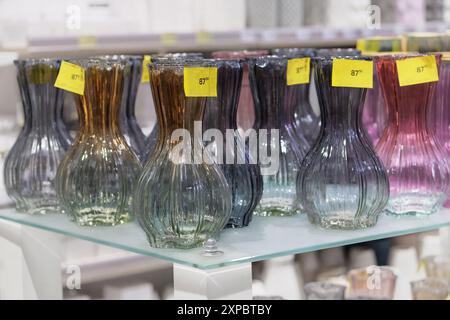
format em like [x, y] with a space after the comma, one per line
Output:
[276, 208]
[413, 205]
[99, 217]
[177, 243]
[40, 207]
[341, 222]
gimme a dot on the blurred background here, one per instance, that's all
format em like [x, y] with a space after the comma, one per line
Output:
[67, 28]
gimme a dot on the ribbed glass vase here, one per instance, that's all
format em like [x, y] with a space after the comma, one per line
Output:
[416, 163]
[241, 171]
[440, 113]
[152, 138]
[182, 198]
[31, 164]
[275, 104]
[342, 184]
[246, 109]
[98, 175]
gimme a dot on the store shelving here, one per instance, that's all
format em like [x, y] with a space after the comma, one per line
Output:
[265, 238]
[208, 41]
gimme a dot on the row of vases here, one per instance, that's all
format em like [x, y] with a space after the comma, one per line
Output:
[330, 171]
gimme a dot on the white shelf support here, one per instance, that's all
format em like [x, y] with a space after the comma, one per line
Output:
[32, 263]
[232, 282]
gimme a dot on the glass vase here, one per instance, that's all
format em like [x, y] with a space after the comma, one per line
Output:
[152, 138]
[246, 108]
[129, 127]
[342, 184]
[440, 113]
[374, 111]
[31, 165]
[416, 164]
[97, 177]
[240, 169]
[182, 197]
[275, 104]
[307, 120]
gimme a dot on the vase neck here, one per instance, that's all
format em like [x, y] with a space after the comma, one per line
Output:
[174, 110]
[340, 108]
[100, 105]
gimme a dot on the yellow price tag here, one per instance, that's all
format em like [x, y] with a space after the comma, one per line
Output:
[200, 81]
[87, 41]
[145, 73]
[203, 37]
[168, 38]
[352, 73]
[298, 71]
[417, 70]
[70, 78]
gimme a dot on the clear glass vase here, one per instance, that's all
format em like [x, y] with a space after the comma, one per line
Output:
[275, 104]
[96, 179]
[241, 171]
[182, 197]
[246, 109]
[152, 138]
[31, 165]
[342, 184]
[416, 164]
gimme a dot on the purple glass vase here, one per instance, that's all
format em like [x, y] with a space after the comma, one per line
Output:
[245, 112]
[418, 171]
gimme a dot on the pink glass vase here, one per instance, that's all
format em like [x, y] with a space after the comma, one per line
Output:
[246, 108]
[374, 112]
[440, 115]
[416, 164]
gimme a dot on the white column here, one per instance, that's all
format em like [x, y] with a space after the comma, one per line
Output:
[33, 268]
[232, 282]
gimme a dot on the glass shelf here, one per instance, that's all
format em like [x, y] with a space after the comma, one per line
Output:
[265, 238]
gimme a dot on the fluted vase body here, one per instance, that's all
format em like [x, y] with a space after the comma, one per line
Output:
[31, 164]
[182, 197]
[98, 175]
[416, 163]
[342, 184]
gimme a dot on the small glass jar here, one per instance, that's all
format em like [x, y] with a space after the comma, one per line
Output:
[429, 289]
[373, 282]
[437, 267]
[324, 291]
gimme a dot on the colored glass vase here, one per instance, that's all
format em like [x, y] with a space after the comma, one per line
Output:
[416, 164]
[374, 119]
[96, 179]
[31, 165]
[306, 119]
[240, 169]
[342, 184]
[152, 138]
[440, 113]
[129, 127]
[182, 197]
[275, 104]
[246, 108]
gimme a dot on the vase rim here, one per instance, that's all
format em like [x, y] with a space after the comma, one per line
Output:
[330, 58]
[185, 62]
[236, 54]
[401, 56]
[34, 61]
[102, 62]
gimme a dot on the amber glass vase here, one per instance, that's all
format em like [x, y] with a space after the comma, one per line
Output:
[182, 198]
[96, 179]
